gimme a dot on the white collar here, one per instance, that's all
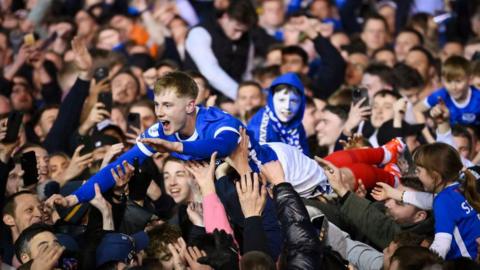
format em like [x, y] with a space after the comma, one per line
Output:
[194, 135]
[466, 102]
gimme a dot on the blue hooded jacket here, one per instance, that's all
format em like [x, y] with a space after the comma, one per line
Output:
[266, 127]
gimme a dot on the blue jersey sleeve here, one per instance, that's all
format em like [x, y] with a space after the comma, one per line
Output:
[224, 144]
[444, 215]
[104, 177]
[432, 100]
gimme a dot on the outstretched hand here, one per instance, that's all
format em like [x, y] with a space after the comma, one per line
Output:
[384, 191]
[238, 159]
[204, 174]
[163, 146]
[251, 194]
[334, 176]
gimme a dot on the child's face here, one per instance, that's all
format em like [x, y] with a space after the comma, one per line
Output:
[457, 88]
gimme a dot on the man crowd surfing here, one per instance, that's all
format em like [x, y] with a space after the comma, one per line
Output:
[240, 134]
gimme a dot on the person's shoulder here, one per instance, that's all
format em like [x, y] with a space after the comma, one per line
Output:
[440, 92]
[215, 115]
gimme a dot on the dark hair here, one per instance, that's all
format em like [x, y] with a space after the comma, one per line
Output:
[38, 114]
[243, 12]
[21, 244]
[143, 103]
[257, 260]
[168, 63]
[197, 75]
[406, 77]
[250, 83]
[412, 182]
[378, 17]
[296, 50]
[387, 92]
[10, 204]
[455, 67]
[414, 257]
[408, 238]
[460, 263]
[412, 31]
[379, 50]
[340, 111]
[261, 73]
[430, 58]
[180, 82]
[443, 164]
[384, 72]
[129, 73]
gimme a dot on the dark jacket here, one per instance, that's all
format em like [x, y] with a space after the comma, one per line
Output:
[303, 248]
[375, 225]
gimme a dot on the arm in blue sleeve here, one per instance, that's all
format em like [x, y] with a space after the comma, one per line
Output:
[105, 179]
[223, 144]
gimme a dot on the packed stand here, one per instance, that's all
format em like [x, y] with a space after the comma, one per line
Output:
[239, 134]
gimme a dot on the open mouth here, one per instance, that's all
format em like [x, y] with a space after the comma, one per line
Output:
[165, 124]
[174, 192]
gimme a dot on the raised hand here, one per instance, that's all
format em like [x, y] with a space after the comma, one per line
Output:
[357, 114]
[238, 159]
[251, 194]
[195, 213]
[47, 258]
[96, 115]
[334, 176]
[178, 250]
[99, 201]
[111, 152]
[122, 177]
[163, 146]
[77, 164]
[384, 191]
[192, 255]
[204, 174]
[83, 59]
[354, 141]
[440, 112]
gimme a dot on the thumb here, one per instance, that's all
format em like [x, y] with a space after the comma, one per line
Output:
[98, 192]
[213, 157]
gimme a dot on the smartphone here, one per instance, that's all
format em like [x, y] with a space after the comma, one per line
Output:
[13, 126]
[28, 161]
[133, 119]
[106, 99]
[88, 145]
[29, 39]
[138, 184]
[47, 42]
[100, 73]
[358, 93]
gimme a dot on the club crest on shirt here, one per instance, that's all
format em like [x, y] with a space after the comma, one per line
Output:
[153, 130]
[469, 117]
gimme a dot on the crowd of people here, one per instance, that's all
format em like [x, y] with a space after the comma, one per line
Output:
[240, 134]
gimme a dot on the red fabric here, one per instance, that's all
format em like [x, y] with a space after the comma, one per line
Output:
[372, 156]
[370, 175]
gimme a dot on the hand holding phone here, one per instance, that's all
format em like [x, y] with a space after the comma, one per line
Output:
[106, 99]
[13, 126]
[359, 93]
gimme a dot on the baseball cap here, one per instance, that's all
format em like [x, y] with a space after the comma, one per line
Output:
[120, 247]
